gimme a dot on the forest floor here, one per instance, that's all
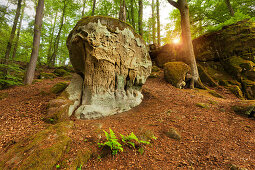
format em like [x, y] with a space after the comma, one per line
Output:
[211, 138]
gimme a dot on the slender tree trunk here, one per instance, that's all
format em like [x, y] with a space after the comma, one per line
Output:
[132, 13]
[9, 44]
[231, 11]
[18, 32]
[56, 44]
[83, 7]
[158, 23]
[51, 39]
[36, 43]
[122, 13]
[93, 8]
[153, 22]
[188, 52]
[140, 18]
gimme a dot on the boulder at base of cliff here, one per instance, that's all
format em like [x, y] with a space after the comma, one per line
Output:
[114, 64]
[175, 73]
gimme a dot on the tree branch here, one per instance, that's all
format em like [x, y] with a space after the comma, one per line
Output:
[173, 3]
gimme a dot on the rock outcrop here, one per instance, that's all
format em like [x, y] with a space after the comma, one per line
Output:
[225, 57]
[228, 56]
[113, 62]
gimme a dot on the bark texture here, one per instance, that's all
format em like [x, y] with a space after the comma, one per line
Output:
[114, 63]
[36, 43]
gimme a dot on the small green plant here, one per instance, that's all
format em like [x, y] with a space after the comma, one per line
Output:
[79, 168]
[112, 142]
[57, 166]
[131, 139]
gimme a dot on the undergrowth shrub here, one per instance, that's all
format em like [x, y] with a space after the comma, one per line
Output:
[13, 77]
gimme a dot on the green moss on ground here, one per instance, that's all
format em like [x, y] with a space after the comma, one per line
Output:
[47, 75]
[40, 151]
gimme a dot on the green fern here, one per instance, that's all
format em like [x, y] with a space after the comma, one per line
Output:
[131, 139]
[112, 142]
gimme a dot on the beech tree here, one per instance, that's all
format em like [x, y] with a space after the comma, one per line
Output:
[187, 50]
[140, 17]
[158, 22]
[231, 11]
[122, 13]
[9, 44]
[18, 32]
[153, 22]
[93, 8]
[36, 43]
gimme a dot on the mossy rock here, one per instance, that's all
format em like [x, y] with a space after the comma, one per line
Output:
[245, 109]
[40, 151]
[236, 91]
[60, 72]
[172, 133]
[46, 75]
[175, 73]
[248, 89]
[59, 87]
[202, 105]
[205, 77]
[82, 158]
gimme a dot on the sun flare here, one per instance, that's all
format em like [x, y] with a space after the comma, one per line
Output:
[176, 40]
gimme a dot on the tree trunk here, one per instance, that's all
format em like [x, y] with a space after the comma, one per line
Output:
[153, 22]
[158, 23]
[83, 7]
[132, 13]
[51, 39]
[140, 18]
[187, 52]
[56, 44]
[36, 42]
[18, 33]
[93, 8]
[122, 13]
[231, 11]
[9, 44]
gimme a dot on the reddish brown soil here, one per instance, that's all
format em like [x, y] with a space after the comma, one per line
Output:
[213, 137]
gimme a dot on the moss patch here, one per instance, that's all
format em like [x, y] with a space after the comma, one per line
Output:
[205, 77]
[47, 75]
[40, 151]
[60, 72]
[202, 105]
[236, 91]
[59, 87]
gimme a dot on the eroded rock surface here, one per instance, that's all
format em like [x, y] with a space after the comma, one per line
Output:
[114, 63]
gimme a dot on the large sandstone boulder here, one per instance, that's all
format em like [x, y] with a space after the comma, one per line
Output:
[113, 62]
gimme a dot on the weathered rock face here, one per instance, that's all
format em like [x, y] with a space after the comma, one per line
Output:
[114, 63]
[229, 55]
